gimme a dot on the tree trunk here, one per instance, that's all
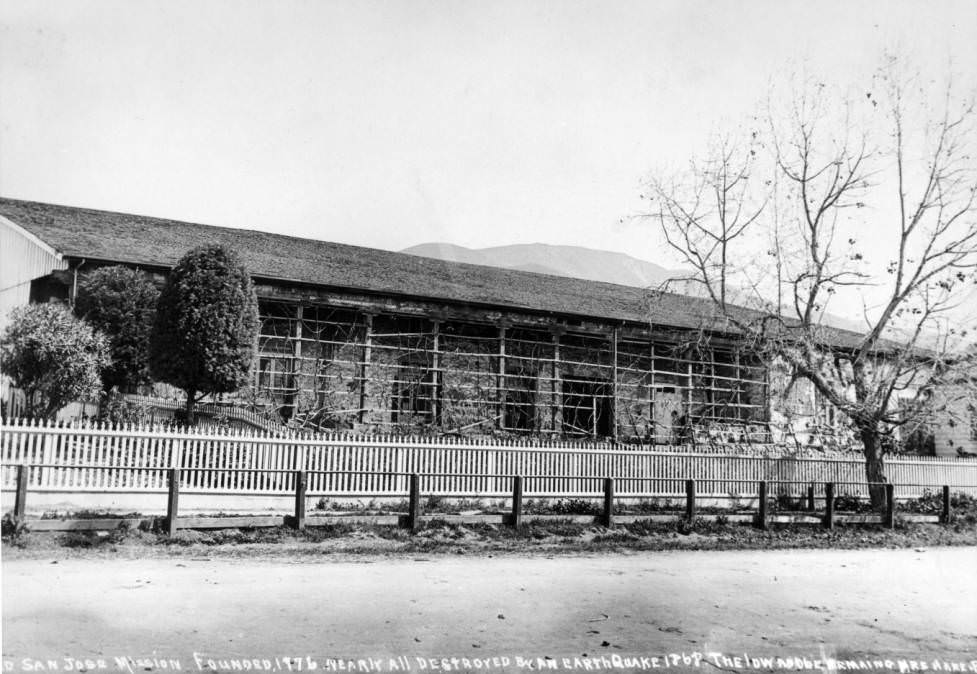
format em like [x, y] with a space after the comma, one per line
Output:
[190, 419]
[30, 407]
[874, 466]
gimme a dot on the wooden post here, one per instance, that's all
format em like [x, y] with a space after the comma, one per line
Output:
[762, 514]
[614, 383]
[652, 393]
[687, 430]
[301, 482]
[296, 369]
[172, 502]
[810, 498]
[414, 504]
[516, 520]
[500, 380]
[367, 355]
[608, 516]
[557, 385]
[889, 521]
[20, 501]
[947, 513]
[690, 500]
[435, 390]
[829, 505]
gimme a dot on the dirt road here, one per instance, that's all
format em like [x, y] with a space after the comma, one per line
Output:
[617, 611]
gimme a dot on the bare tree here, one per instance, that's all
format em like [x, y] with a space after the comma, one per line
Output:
[830, 200]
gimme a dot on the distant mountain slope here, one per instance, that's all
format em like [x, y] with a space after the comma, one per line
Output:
[572, 261]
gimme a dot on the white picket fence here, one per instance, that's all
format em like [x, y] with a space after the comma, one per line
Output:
[86, 457]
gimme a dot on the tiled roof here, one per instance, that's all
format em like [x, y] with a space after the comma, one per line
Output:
[140, 240]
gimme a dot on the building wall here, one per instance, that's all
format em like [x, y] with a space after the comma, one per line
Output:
[338, 360]
[25, 258]
[354, 363]
[955, 430]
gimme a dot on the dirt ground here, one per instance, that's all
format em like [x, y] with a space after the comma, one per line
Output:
[437, 612]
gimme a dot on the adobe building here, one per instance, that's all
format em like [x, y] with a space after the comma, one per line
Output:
[359, 339]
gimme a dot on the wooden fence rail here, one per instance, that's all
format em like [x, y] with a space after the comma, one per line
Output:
[788, 512]
[91, 458]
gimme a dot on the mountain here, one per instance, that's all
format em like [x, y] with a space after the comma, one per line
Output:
[573, 261]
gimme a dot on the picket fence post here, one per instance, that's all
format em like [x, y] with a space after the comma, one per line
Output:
[889, 521]
[515, 520]
[829, 505]
[172, 502]
[690, 500]
[608, 515]
[20, 501]
[414, 503]
[298, 521]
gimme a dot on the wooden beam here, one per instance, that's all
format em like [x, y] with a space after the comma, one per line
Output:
[515, 520]
[457, 311]
[500, 379]
[364, 364]
[653, 395]
[301, 483]
[101, 524]
[20, 500]
[762, 505]
[556, 385]
[688, 432]
[436, 372]
[414, 503]
[829, 505]
[614, 403]
[607, 518]
[296, 366]
[889, 521]
[172, 502]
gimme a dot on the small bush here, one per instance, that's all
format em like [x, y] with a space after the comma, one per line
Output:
[184, 537]
[575, 506]
[646, 506]
[117, 409]
[963, 507]
[154, 525]
[852, 504]
[649, 528]
[438, 523]
[789, 502]
[14, 529]
[321, 533]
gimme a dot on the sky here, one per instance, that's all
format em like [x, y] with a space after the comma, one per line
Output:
[389, 124]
